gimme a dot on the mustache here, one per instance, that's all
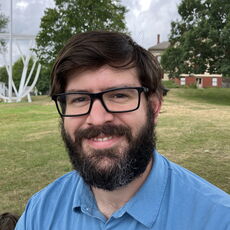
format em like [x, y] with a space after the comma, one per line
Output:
[108, 129]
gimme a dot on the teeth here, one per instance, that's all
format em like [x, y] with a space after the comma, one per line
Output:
[102, 139]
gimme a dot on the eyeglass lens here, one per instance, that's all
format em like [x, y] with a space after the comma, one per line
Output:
[114, 101]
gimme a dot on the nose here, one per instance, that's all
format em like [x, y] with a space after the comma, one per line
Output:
[98, 115]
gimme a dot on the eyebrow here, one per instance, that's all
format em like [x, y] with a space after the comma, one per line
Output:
[113, 87]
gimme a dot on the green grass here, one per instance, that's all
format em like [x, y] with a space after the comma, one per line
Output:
[193, 130]
[219, 96]
[31, 153]
[170, 84]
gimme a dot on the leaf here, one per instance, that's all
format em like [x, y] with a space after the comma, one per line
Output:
[203, 37]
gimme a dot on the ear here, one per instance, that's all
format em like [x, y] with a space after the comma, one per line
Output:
[156, 103]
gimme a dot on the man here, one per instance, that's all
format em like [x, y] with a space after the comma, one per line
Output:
[108, 92]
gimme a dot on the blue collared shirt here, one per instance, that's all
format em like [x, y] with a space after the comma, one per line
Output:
[172, 198]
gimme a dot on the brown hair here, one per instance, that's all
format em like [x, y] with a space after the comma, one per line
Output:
[92, 50]
[8, 221]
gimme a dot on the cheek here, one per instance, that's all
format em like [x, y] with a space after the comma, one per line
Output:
[135, 120]
[71, 124]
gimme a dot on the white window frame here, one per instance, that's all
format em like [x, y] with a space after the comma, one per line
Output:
[214, 81]
[183, 81]
[159, 58]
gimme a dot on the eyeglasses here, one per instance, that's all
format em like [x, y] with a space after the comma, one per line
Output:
[117, 100]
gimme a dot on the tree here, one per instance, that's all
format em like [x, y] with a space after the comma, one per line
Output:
[73, 16]
[3, 23]
[200, 40]
[44, 80]
[3, 75]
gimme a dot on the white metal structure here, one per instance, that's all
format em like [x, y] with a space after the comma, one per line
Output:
[15, 94]
[3, 89]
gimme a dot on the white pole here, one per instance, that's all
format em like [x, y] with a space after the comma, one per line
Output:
[10, 67]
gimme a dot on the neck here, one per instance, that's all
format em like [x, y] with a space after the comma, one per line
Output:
[110, 201]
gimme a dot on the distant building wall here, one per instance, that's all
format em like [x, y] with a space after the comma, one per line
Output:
[158, 49]
[200, 80]
[212, 82]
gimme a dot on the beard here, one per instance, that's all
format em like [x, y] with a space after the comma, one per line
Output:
[125, 163]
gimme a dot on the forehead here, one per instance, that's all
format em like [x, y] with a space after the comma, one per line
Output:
[102, 79]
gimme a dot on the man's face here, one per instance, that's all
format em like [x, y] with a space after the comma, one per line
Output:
[109, 149]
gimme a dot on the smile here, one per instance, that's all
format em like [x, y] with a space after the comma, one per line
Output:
[103, 142]
[102, 139]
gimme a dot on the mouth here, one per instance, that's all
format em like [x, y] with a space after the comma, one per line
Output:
[102, 141]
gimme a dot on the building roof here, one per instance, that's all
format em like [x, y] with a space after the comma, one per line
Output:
[160, 46]
[201, 75]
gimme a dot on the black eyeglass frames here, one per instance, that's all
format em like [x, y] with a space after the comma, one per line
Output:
[116, 100]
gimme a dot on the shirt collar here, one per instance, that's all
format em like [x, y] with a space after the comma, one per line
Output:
[83, 195]
[146, 203]
[144, 206]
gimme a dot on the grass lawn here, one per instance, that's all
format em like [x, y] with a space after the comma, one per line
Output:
[193, 130]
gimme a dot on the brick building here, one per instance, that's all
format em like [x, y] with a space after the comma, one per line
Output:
[200, 80]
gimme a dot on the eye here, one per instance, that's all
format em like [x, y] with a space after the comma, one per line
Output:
[78, 99]
[119, 95]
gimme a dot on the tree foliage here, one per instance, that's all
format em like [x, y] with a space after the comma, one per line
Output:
[3, 24]
[73, 16]
[200, 40]
[44, 80]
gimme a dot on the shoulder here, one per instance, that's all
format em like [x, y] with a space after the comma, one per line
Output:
[58, 188]
[191, 199]
[55, 200]
[195, 186]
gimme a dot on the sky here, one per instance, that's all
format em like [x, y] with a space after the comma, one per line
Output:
[147, 18]
[144, 19]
